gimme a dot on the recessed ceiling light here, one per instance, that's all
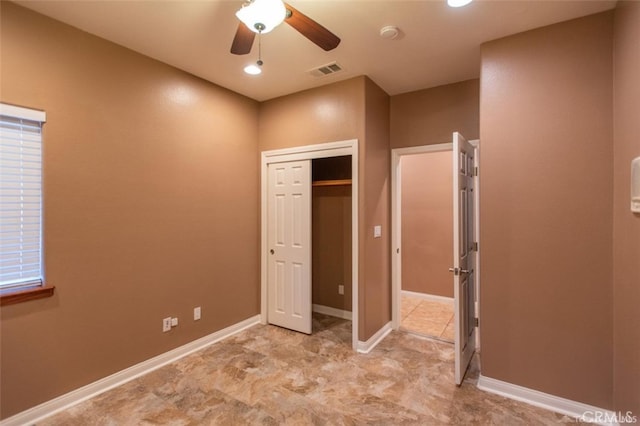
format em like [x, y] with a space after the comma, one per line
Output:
[458, 3]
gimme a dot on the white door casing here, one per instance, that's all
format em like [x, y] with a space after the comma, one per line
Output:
[464, 259]
[289, 245]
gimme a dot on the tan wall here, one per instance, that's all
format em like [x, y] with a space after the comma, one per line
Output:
[626, 226]
[427, 223]
[326, 114]
[430, 116]
[331, 262]
[138, 158]
[546, 221]
[375, 264]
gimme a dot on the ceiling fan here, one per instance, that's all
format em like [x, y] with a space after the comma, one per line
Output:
[261, 16]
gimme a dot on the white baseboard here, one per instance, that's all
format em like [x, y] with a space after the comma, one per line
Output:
[429, 297]
[576, 410]
[74, 397]
[366, 347]
[333, 312]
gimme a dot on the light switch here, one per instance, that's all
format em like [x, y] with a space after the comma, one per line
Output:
[377, 231]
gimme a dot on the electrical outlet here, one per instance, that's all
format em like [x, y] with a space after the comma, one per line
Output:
[174, 322]
[196, 313]
[166, 324]
[340, 289]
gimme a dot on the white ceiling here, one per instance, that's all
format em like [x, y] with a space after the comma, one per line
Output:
[438, 45]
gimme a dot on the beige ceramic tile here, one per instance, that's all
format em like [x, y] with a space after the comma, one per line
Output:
[449, 331]
[407, 305]
[427, 317]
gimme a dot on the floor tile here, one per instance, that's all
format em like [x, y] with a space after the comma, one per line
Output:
[427, 317]
[267, 375]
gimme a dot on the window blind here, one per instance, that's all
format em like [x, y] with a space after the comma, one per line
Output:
[20, 197]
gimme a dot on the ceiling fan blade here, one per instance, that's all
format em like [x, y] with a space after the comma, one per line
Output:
[243, 40]
[311, 29]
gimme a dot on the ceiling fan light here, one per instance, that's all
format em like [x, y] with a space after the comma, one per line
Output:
[458, 3]
[253, 69]
[261, 16]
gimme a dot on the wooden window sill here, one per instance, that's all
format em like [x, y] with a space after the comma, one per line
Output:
[12, 297]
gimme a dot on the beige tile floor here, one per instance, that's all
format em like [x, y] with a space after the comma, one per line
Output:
[267, 375]
[428, 318]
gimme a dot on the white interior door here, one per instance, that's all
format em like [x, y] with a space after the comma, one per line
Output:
[464, 268]
[289, 245]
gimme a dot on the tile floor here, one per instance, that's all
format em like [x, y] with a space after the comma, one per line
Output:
[267, 375]
[428, 318]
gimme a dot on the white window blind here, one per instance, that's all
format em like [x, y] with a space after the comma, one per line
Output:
[20, 197]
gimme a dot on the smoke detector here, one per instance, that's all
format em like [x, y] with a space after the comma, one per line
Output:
[389, 32]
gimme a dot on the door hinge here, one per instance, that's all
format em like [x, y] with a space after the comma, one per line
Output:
[475, 171]
[475, 246]
[476, 322]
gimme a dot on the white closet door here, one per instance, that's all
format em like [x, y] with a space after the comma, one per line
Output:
[289, 245]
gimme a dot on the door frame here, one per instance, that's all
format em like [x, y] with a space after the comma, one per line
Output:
[310, 152]
[396, 225]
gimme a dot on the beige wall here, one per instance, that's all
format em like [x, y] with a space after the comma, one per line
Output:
[546, 221]
[430, 116]
[331, 241]
[427, 223]
[375, 261]
[139, 158]
[326, 114]
[626, 226]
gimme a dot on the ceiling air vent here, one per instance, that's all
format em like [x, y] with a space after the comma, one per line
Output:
[325, 70]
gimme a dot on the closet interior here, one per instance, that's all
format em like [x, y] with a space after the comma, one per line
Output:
[331, 236]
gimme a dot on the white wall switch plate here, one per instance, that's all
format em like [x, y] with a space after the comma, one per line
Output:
[196, 313]
[174, 322]
[340, 289]
[377, 231]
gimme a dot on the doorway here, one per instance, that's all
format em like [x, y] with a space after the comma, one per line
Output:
[462, 282]
[295, 157]
[426, 297]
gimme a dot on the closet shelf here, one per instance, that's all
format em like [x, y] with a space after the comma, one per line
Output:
[333, 182]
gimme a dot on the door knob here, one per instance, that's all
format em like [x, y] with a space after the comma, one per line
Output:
[457, 271]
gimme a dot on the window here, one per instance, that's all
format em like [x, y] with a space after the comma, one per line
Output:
[20, 199]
